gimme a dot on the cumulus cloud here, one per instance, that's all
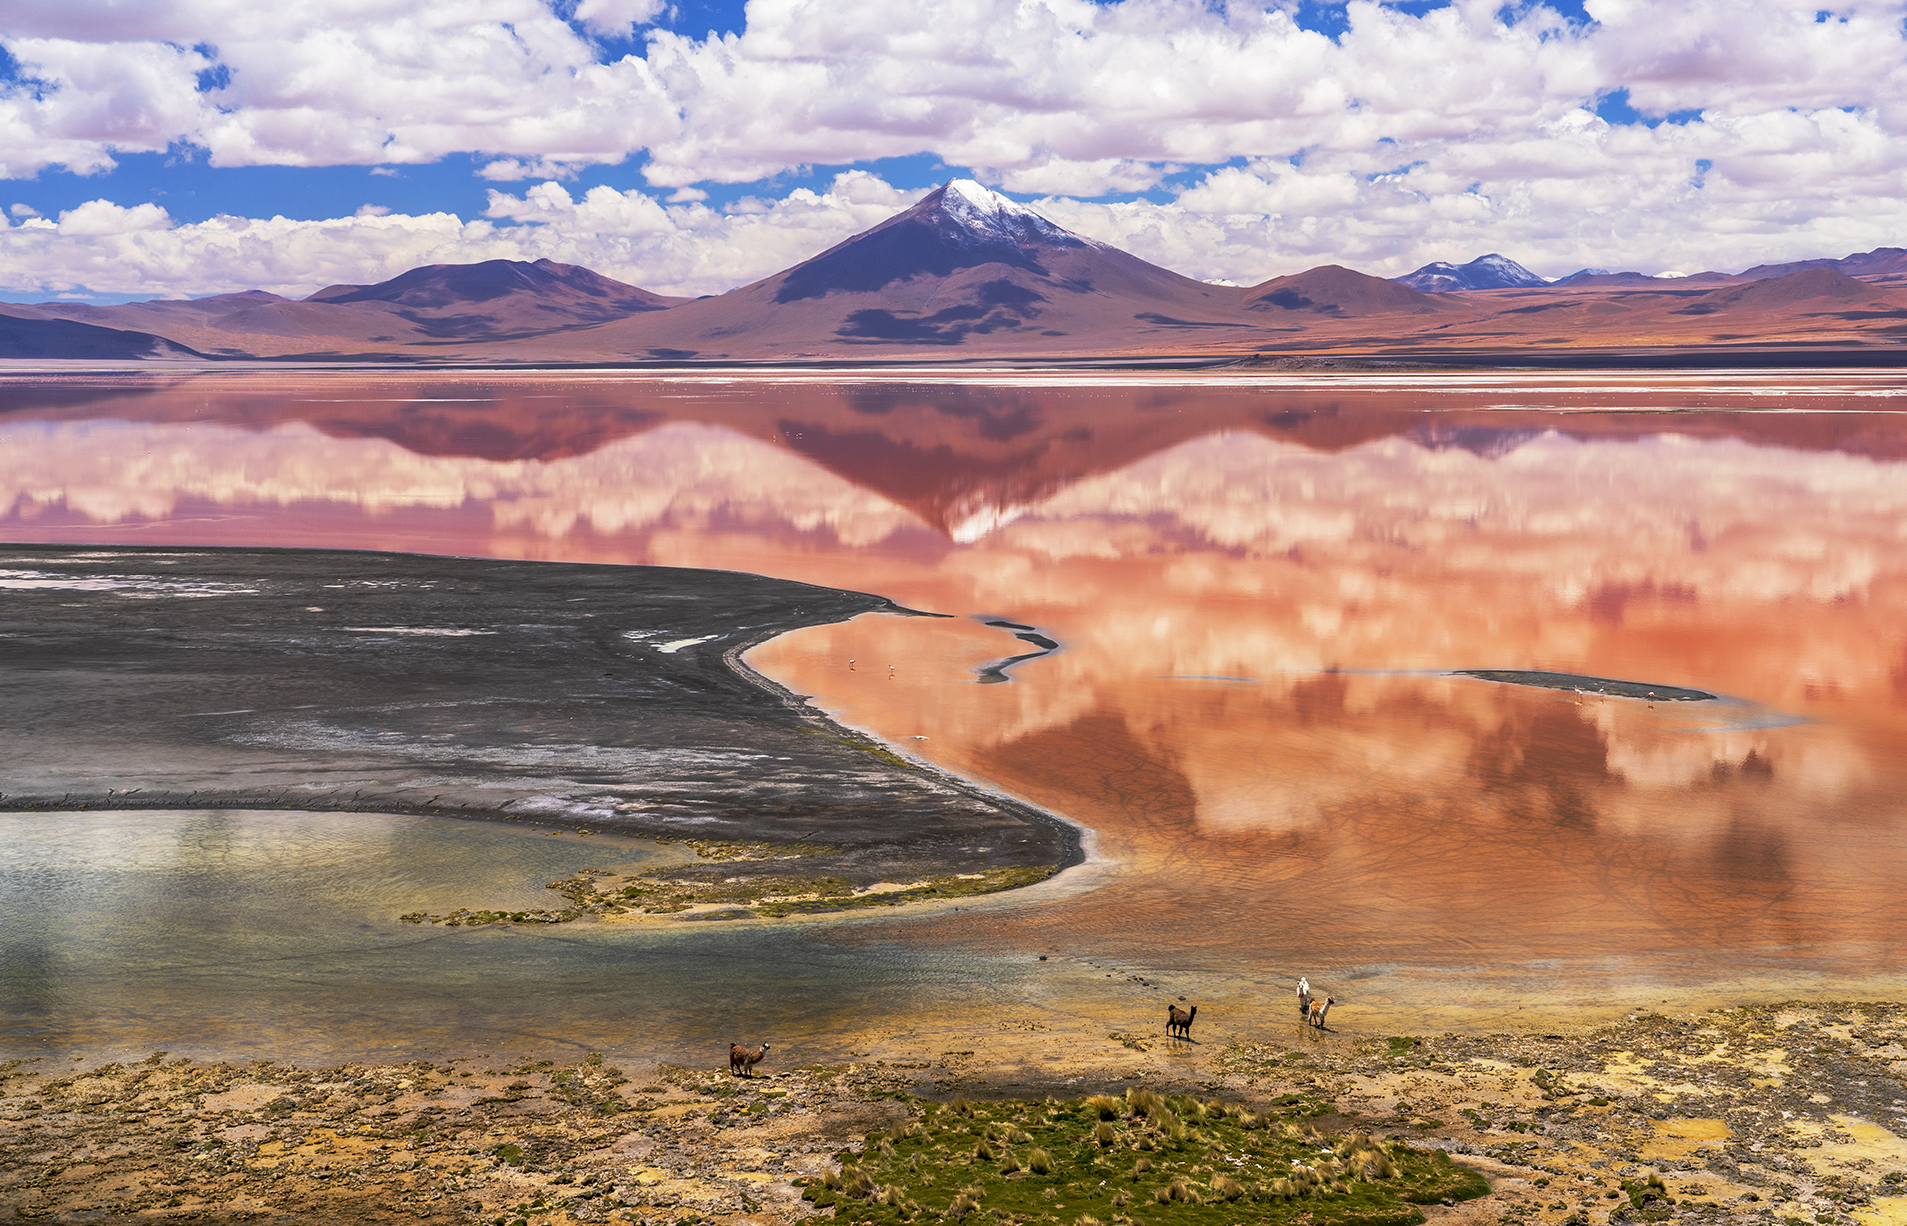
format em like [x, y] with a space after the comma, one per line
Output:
[325, 82]
[1767, 130]
[1721, 194]
[615, 17]
[103, 218]
[109, 254]
[681, 249]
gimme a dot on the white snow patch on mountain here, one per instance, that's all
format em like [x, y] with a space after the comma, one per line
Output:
[992, 216]
[1491, 271]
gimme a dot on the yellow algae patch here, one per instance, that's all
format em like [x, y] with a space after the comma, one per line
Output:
[1677, 1139]
[1868, 1144]
[1870, 1141]
[1624, 1072]
[1885, 1211]
[1767, 1067]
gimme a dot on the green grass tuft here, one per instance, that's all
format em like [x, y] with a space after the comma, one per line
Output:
[1200, 1163]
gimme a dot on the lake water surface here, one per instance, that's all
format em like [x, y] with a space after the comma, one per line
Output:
[1260, 590]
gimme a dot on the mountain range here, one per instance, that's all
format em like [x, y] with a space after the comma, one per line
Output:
[966, 274]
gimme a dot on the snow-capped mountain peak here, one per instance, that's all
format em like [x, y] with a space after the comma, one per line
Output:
[993, 218]
[968, 194]
[1503, 270]
[1491, 271]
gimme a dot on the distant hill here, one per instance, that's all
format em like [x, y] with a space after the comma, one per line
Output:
[1332, 289]
[1881, 261]
[1491, 271]
[1887, 262]
[1812, 285]
[567, 291]
[1595, 278]
[437, 307]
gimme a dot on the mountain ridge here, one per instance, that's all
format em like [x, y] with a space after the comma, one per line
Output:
[966, 273]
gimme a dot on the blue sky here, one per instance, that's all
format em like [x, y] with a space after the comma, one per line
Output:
[190, 189]
[147, 150]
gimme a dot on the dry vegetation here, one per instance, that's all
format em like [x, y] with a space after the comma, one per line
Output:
[1787, 1115]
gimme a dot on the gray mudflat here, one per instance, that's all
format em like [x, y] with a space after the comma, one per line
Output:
[1588, 685]
[544, 692]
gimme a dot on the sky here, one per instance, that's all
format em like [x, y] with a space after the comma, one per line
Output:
[179, 148]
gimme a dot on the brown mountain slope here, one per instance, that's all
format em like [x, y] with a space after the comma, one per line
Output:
[1812, 285]
[30, 336]
[1881, 261]
[965, 270]
[564, 294]
[1332, 289]
[421, 313]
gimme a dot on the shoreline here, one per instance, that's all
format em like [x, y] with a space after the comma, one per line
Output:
[552, 715]
[1753, 1114]
[1758, 357]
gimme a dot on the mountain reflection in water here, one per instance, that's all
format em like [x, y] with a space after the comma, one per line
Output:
[1260, 593]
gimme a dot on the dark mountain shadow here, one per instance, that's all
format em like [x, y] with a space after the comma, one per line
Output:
[64, 338]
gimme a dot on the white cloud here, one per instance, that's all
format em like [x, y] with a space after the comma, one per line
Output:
[614, 17]
[1408, 138]
[323, 82]
[510, 170]
[684, 249]
[234, 253]
[85, 100]
[103, 218]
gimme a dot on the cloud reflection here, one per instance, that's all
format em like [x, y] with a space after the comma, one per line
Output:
[1335, 552]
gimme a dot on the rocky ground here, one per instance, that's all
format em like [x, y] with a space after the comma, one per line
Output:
[1783, 1114]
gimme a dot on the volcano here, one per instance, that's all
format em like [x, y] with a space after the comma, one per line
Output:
[962, 266]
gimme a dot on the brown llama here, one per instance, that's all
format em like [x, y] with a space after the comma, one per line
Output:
[742, 1060]
[1178, 1022]
[1319, 1008]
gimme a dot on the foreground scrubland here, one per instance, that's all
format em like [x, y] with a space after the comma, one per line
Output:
[1784, 1114]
